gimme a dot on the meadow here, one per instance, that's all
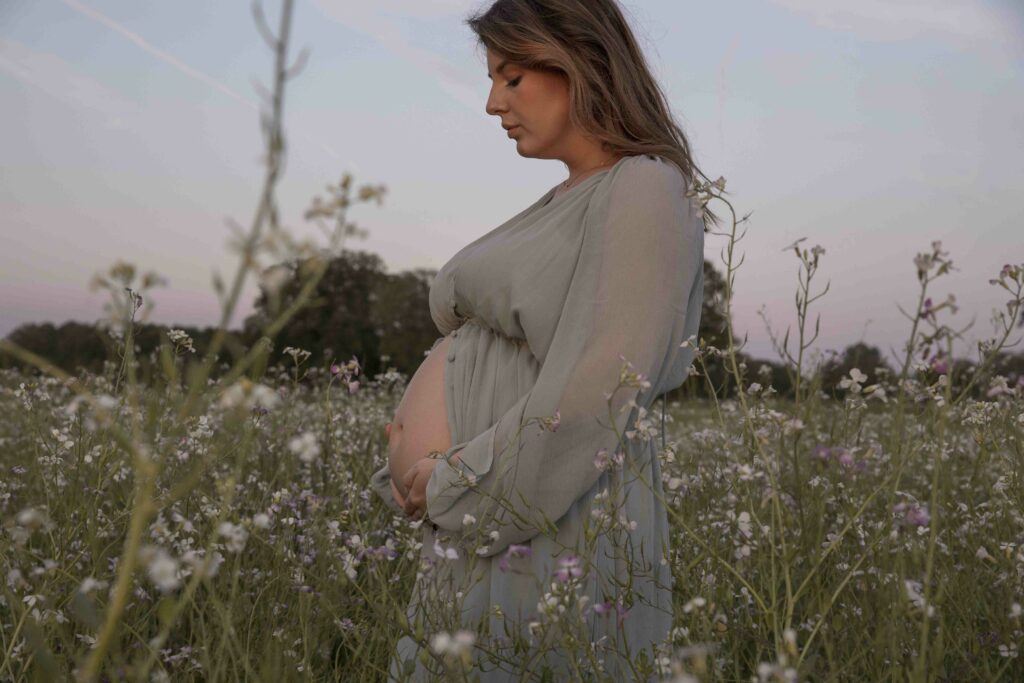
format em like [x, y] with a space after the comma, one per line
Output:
[208, 522]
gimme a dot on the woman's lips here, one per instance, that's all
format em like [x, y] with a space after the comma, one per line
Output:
[512, 130]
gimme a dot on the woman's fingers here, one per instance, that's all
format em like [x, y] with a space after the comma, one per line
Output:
[409, 478]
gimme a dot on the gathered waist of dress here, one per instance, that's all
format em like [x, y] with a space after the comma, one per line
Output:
[484, 326]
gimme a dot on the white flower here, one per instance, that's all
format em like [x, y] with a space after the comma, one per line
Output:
[235, 534]
[162, 569]
[298, 355]
[444, 644]
[694, 603]
[247, 395]
[199, 564]
[261, 520]
[876, 391]
[468, 519]
[854, 381]
[89, 584]
[305, 446]
[449, 553]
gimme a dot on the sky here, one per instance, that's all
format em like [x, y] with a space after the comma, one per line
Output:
[130, 130]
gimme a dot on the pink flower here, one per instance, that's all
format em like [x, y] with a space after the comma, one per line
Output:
[513, 550]
[570, 566]
[912, 514]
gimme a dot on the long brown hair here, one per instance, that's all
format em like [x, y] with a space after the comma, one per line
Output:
[612, 94]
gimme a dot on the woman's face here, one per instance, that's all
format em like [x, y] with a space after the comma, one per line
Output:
[536, 102]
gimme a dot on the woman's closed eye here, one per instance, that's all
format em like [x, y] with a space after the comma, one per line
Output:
[515, 82]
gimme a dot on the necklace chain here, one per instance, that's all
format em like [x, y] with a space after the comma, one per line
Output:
[566, 184]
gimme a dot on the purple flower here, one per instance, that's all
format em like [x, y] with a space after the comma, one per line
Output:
[570, 567]
[940, 364]
[622, 610]
[843, 456]
[928, 312]
[912, 514]
[513, 550]
[601, 608]
[335, 369]
[822, 452]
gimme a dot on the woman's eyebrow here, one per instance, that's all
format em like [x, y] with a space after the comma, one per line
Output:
[501, 67]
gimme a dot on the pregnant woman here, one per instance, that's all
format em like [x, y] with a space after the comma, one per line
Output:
[519, 395]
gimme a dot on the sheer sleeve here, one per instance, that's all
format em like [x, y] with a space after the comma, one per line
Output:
[631, 296]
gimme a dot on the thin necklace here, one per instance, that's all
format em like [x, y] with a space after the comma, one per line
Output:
[566, 185]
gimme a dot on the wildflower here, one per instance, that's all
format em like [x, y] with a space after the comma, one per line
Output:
[33, 519]
[876, 391]
[912, 514]
[163, 570]
[444, 644]
[694, 603]
[854, 381]
[247, 395]
[305, 446]
[603, 461]
[235, 534]
[261, 520]
[181, 340]
[201, 565]
[569, 567]
[448, 553]
[822, 452]
[552, 423]
[843, 456]
[939, 363]
[298, 355]
[513, 550]
[913, 591]
[89, 584]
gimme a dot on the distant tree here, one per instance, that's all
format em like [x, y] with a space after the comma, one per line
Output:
[402, 311]
[714, 321]
[71, 346]
[344, 316]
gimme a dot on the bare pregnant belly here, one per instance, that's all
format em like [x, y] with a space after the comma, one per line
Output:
[420, 424]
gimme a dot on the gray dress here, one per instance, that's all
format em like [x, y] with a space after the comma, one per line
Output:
[542, 310]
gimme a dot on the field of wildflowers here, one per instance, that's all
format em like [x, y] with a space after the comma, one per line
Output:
[194, 525]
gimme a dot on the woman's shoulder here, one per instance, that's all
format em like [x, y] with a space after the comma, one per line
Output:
[641, 177]
[652, 167]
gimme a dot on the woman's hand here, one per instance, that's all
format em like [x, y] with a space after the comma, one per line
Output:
[415, 482]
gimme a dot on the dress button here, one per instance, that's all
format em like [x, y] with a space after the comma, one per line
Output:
[451, 355]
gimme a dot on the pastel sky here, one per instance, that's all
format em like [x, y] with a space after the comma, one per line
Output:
[130, 130]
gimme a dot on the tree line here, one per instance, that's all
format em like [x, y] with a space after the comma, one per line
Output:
[359, 310]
